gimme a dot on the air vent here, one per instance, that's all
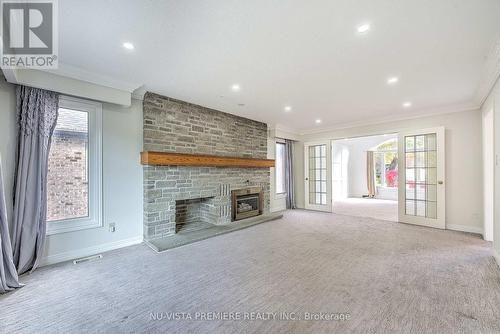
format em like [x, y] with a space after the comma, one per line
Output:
[87, 259]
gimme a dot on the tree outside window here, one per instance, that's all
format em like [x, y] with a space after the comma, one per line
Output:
[386, 164]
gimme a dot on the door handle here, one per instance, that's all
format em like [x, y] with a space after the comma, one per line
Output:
[307, 179]
[440, 182]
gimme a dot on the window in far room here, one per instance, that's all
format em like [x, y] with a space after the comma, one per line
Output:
[386, 164]
[280, 168]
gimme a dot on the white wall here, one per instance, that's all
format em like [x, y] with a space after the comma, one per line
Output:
[488, 170]
[493, 103]
[122, 180]
[464, 172]
[298, 177]
[340, 170]
[357, 165]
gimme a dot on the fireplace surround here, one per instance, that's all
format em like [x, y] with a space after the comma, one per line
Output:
[180, 198]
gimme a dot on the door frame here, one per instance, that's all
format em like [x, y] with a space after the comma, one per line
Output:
[440, 222]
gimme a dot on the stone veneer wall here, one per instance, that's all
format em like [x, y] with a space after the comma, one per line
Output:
[176, 126]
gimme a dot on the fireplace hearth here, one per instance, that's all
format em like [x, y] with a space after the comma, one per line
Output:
[246, 203]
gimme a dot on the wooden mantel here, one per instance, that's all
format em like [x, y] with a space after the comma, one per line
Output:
[181, 159]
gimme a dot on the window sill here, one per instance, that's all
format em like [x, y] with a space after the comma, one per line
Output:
[280, 196]
[71, 225]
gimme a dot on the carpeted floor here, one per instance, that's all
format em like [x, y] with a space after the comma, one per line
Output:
[385, 277]
[367, 207]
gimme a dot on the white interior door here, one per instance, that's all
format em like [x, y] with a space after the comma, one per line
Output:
[318, 176]
[421, 177]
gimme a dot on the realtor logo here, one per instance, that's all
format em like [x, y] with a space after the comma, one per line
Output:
[29, 34]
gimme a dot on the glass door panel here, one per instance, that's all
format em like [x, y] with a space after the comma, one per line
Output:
[317, 174]
[422, 195]
[420, 188]
[318, 178]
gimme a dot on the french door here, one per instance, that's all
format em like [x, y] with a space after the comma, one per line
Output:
[318, 176]
[421, 184]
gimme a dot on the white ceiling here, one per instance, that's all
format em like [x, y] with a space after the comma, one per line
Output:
[306, 54]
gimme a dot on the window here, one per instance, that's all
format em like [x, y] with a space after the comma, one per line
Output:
[74, 171]
[280, 168]
[386, 164]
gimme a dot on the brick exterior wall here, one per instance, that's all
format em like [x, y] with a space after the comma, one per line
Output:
[176, 126]
[67, 183]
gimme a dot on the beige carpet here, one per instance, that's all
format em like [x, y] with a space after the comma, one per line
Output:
[367, 207]
[389, 278]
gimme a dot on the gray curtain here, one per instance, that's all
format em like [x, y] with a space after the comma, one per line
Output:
[8, 274]
[289, 184]
[36, 116]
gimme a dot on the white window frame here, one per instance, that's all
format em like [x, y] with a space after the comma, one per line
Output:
[94, 157]
[276, 193]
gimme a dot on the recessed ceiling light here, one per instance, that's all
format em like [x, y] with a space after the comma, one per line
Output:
[392, 80]
[407, 104]
[364, 28]
[288, 108]
[235, 88]
[318, 121]
[128, 46]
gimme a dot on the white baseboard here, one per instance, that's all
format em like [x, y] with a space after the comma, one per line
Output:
[83, 252]
[464, 228]
[496, 256]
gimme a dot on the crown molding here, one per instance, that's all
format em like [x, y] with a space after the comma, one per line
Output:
[139, 93]
[490, 74]
[422, 113]
[284, 132]
[73, 72]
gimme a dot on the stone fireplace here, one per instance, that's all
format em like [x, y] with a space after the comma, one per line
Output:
[184, 198]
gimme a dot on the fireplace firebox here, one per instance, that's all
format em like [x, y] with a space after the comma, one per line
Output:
[247, 202]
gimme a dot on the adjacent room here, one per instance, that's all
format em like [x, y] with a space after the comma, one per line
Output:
[250, 166]
[365, 177]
